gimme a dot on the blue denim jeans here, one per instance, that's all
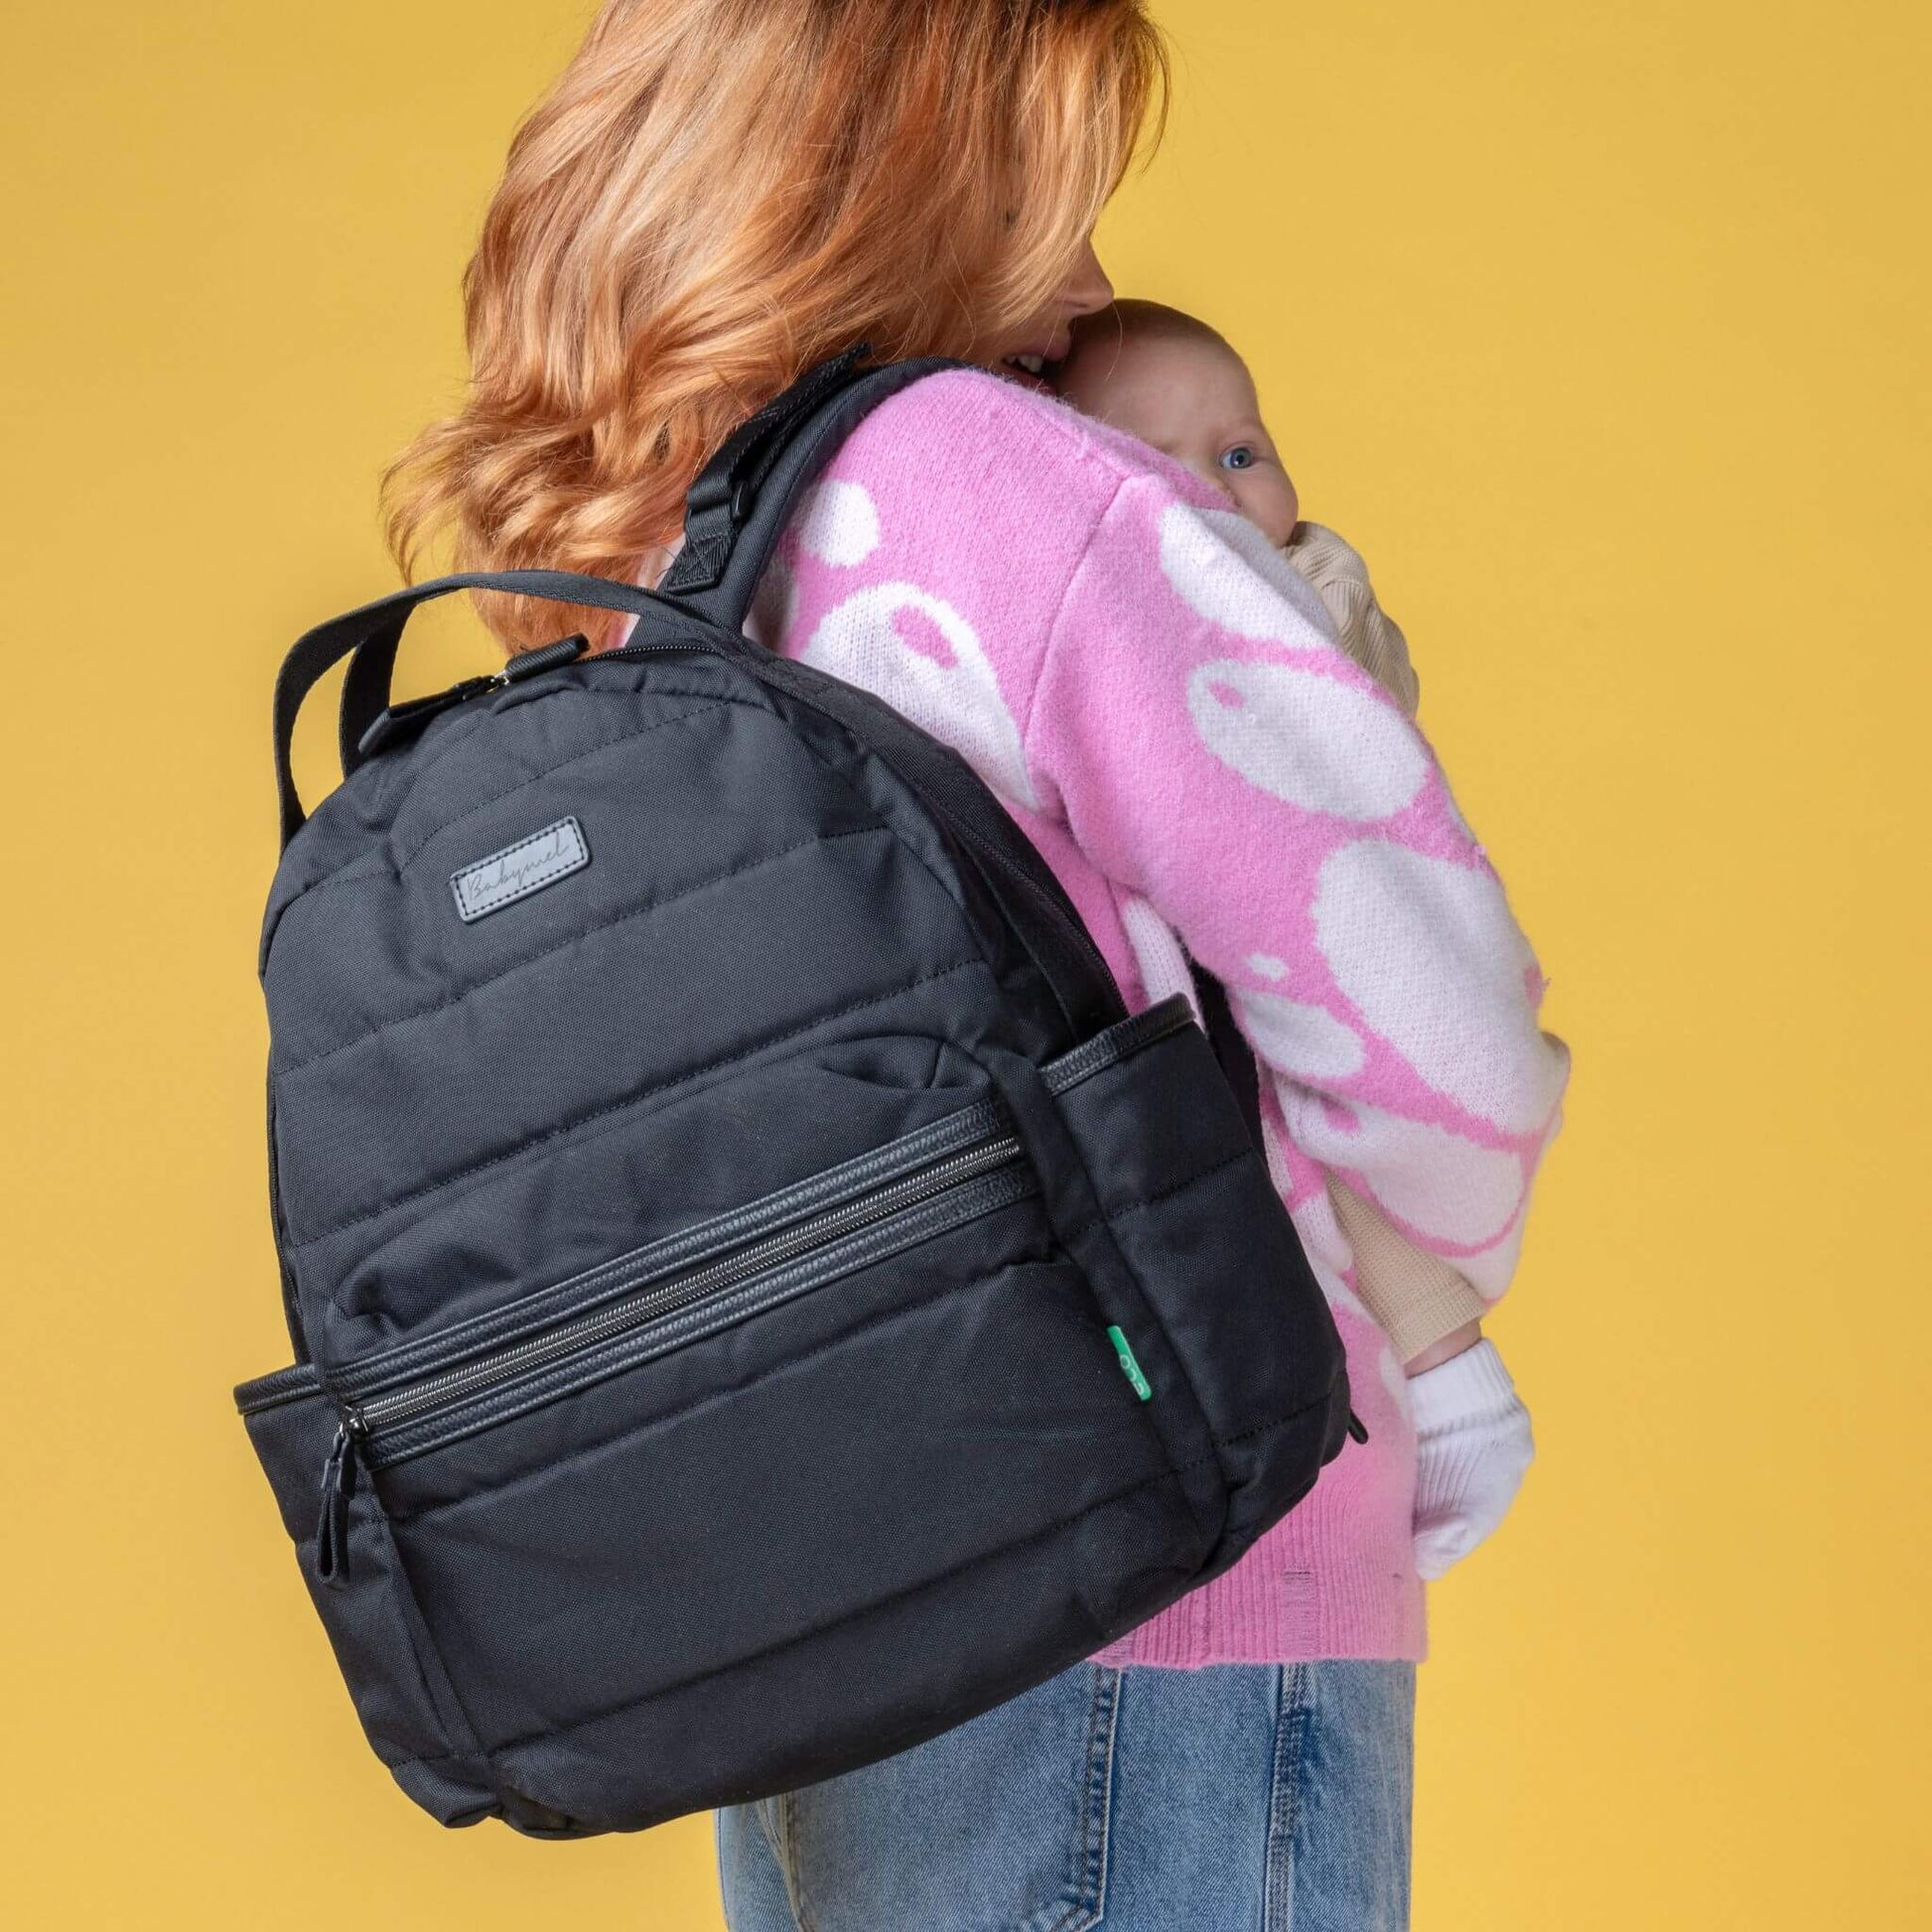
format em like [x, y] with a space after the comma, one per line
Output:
[1239, 1798]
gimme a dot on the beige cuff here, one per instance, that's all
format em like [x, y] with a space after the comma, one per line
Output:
[1415, 1297]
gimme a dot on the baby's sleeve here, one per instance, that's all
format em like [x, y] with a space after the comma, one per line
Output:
[1414, 1297]
[1365, 631]
[1213, 752]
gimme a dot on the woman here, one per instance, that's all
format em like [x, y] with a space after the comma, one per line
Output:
[716, 195]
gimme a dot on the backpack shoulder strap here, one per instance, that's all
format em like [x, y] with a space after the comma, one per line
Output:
[738, 511]
[742, 502]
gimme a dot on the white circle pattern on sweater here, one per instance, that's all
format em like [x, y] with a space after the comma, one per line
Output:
[839, 523]
[1307, 738]
[1435, 1181]
[1160, 955]
[1380, 909]
[1261, 556]
[1303, 1040]
[1271, 601]
[957, 702]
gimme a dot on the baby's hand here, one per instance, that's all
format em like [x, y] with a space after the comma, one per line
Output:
[1472, 1450]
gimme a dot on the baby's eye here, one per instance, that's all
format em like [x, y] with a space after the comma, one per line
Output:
[1240, 457]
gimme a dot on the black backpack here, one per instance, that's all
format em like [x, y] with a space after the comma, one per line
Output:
[757, 1298]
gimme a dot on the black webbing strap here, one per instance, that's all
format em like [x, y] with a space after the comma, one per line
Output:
[743, 499]
[366, 688]
[376, 629]
[718, 503]
[739, 509]
[1230, 1049]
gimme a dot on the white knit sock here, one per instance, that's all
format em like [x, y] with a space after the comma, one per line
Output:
[1473, 1449]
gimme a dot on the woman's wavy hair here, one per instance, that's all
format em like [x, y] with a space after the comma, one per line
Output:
[717, 194]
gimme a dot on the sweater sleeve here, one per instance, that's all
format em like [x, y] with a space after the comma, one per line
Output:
[1202, 736]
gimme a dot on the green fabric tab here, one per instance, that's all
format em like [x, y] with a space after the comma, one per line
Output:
[1128, 1366]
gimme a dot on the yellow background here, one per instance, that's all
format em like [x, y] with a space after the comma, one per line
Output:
[1602, 330]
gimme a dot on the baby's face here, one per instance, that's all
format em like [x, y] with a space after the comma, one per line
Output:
[1192, 399]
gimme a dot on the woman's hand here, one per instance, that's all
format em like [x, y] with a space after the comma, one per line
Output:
[1473, 1446]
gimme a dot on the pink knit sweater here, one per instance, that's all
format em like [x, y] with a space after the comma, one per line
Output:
[1156, 696]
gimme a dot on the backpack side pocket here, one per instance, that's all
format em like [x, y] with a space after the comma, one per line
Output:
[401, 1694]
[1185, 1194]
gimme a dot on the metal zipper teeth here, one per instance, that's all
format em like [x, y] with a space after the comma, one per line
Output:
[749, 1301]
[693, 1247]
[672, 1297]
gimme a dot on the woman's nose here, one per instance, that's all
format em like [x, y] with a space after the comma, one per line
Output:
[1087, 289]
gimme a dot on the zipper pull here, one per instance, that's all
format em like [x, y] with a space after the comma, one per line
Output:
[546, 657]
[337, 1486]
[1357, 1428]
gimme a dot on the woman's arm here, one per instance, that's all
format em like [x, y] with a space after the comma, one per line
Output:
[1213, 752]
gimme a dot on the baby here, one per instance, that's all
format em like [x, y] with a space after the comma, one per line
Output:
[1172, 382]
[1175, 383]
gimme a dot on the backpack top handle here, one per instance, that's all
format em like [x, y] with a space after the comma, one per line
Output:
[735, 513]
[377, 629]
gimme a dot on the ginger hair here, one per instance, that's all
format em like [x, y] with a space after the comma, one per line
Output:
[717, 194]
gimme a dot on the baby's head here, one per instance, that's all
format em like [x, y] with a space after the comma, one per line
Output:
[1174, 382]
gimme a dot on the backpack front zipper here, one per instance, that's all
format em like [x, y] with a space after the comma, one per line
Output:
[425, 1395]
[400, 1421]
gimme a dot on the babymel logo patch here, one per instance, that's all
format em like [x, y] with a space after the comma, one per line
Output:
[519, 870]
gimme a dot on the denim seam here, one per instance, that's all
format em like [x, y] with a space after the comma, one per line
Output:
[786, 1816]
[796, 1893]
[1291, 1716]
[1088, 1904]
